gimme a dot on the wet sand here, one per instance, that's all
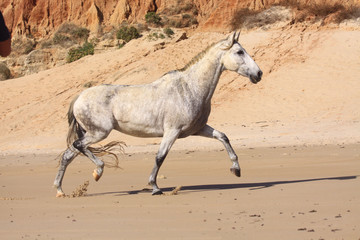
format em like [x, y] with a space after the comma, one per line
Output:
[294, 192]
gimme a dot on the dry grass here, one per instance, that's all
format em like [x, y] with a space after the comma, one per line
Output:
[245, 18]
[332, 13]
[316, 12]
[240, 17]
[181, 15]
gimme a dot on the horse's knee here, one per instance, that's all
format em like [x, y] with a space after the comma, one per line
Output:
[159, 160]
[225, 138]
[79, 146]
[222, 137]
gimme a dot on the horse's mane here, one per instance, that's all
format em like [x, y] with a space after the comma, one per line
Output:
[196, 58]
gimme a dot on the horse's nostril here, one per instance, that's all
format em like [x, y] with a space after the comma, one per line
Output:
[260, 73]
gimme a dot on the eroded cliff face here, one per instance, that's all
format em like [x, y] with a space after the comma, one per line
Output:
[40, 18]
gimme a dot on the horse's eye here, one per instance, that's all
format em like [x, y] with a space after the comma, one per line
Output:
[241, 52]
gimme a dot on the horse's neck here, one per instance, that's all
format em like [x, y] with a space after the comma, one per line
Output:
[204, 75]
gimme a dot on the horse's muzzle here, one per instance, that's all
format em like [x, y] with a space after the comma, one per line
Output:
[256, 78]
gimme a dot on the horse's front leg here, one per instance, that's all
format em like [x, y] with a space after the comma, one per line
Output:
[166, 143]
[209, 132]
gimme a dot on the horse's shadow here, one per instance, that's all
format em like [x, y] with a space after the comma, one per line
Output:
[214, 187]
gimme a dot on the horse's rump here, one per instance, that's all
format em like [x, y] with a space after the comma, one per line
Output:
[76, 132]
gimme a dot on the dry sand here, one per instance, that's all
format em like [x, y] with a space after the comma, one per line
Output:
[284, 193]
[297, 134]
[308, 93]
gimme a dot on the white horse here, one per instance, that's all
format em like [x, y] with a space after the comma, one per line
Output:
[175, 106]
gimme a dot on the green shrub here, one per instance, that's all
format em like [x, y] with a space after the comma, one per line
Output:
[69, 34]
[178, 24]
[194, 21]
[127, 33]
[60, 38]
[189, 7]
[28, 47]
[168, 31]
[46, 44]
[152, 17]
[240, 17]
[80, 33]
[4, 72]
[153, 36]
[77, 53]
[89, 84]
[186, 16]
[73, 31]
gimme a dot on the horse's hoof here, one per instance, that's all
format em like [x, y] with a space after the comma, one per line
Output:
[60, 194]
[236, 171]
[96, 176]
[157, 192]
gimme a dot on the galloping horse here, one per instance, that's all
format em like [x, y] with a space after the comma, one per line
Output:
[175, 106]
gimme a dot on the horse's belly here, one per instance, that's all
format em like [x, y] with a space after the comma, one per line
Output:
[139, 129]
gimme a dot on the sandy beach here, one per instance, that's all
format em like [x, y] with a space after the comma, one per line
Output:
[294, 192]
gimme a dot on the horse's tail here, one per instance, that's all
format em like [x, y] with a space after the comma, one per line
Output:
[111, 148]
[76, 132]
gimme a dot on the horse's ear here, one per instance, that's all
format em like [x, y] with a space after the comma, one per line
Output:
[229, 41]
[237, 36]
[231, 38]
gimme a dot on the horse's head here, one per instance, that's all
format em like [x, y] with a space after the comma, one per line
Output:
[238, 60]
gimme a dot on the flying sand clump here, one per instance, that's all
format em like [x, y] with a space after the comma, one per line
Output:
[80, 191]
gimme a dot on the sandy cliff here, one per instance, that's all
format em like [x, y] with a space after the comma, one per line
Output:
[39, 18]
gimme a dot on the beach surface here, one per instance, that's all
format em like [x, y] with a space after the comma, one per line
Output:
[293, 192]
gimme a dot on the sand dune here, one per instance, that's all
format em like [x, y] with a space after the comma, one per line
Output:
[307, 93]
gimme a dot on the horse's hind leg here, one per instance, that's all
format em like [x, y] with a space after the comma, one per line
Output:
[66, 159]
[82, 145]
[209, 132]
